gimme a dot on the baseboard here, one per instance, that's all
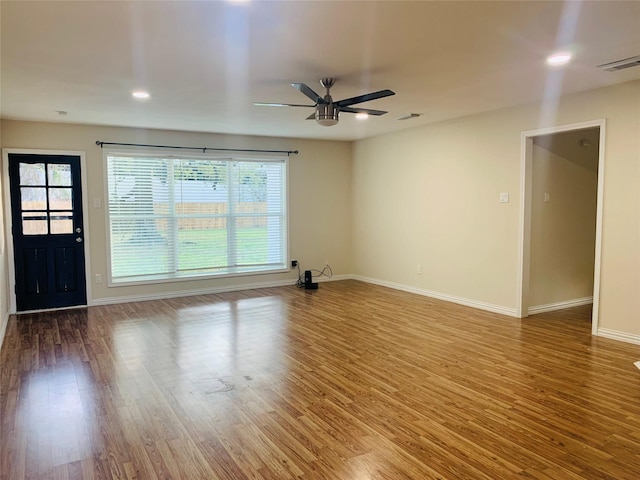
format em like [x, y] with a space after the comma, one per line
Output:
[511, 312]
[3, 327]
[551, 307]
[206, 291]
[335, 278]
[616, 335]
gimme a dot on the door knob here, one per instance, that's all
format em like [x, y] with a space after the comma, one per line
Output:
[79, 239]
[78, 230]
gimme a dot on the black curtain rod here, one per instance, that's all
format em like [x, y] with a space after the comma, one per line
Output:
[204, 149]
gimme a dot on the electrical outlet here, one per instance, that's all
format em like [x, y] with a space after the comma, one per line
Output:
[419, 269]
[294, 263]
[98, 278]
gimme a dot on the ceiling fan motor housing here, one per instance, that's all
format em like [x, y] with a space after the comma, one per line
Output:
[327, 114]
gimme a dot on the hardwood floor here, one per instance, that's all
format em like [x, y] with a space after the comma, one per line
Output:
[352, 382]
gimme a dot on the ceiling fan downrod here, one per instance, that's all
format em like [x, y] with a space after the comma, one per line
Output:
[327, 114]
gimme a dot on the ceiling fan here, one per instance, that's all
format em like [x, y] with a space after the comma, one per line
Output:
[326, 110]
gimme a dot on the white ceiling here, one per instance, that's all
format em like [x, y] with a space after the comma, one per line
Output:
[205, 63]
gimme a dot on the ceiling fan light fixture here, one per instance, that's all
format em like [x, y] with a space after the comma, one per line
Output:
[326, 114]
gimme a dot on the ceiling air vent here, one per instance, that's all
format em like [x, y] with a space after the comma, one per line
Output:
[621, 64]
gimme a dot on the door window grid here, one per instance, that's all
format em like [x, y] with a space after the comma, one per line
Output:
[46, 199]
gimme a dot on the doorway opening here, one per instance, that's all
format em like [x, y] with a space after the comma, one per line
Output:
[562, 179]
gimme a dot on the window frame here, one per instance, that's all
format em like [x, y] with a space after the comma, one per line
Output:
[180, 154]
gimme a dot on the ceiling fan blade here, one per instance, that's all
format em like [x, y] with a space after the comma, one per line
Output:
[308, 91]
[362, 110]
[266, 104]
[364, 98]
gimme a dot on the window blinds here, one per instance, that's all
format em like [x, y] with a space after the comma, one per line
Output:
[172, 218]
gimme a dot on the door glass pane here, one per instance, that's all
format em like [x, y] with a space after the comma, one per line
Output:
[33, 198]
[60, 199]
[61, 222]
[59, 174]
[34, 223]
[32, 174]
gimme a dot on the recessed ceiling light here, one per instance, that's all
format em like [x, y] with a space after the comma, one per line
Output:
[362, 116]
[140, 94]
[559, 58]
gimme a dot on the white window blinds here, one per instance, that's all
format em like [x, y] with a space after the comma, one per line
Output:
[171, 218]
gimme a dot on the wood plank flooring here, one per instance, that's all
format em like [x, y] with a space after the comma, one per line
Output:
[353, 382]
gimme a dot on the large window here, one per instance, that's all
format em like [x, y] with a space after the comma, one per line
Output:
[172, 218]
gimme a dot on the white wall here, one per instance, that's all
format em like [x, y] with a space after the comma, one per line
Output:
[4, 292]
[319, 198]
[563, 229]
[429, 196]
[4, 284]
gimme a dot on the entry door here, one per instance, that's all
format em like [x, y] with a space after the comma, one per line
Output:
[48, 234]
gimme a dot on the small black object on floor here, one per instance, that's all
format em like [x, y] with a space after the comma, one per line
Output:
[308, 281]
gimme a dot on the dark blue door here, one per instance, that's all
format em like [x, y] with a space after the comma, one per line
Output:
[48, 233]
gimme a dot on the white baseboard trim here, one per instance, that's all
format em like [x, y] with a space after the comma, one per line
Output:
[551, 307]
[205, 291]
[616, 335]
[511, 312]
[335, 278]
[3, 327]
